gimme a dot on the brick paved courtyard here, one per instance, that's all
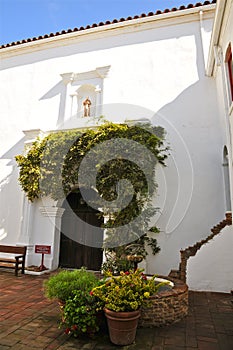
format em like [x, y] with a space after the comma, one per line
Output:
[29, 321]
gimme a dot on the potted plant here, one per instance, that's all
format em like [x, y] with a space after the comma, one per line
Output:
[78, 309]
[81, 313]
[122, 297]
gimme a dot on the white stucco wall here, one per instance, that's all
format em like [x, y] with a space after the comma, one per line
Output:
[221, 75]
[211, 268]
[156, 71]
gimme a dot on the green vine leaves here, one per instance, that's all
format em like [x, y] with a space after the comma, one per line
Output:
[53, 165]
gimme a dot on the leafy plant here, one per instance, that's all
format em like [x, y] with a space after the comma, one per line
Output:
[80, 314]
[116, 264]
[51, 168]
[78, 308]
[117, 258]
[126, 292]
[62, 285]
[50, 165]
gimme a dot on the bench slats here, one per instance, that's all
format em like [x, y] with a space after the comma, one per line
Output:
[17, 262]
[11, 259]
[7, 264]
[7, 260]
[13, 249]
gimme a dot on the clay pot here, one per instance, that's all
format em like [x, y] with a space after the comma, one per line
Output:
[122, 326]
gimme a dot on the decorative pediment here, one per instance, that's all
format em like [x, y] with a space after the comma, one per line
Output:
[99, 72]
[83, 86]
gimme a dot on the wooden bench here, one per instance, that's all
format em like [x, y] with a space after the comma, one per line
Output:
[14, 257]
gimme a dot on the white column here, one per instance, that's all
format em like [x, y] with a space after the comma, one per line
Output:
[74, 103]
[98, 110]
[51, 225]
[28, 208]
[26, 228]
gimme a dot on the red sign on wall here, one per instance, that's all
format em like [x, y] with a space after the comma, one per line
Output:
[43, 249]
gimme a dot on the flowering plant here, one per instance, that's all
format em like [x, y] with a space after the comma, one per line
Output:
[80, 314]
[126, 292]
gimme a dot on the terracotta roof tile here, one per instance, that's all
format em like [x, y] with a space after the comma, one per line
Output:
[94, 25]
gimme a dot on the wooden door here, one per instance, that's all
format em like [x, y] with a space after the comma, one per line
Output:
[80, 243]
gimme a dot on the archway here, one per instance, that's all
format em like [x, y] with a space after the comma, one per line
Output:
[80, 244]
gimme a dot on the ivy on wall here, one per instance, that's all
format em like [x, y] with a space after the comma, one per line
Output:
[51, 168]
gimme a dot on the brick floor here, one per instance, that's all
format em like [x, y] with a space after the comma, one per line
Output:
[29, 321]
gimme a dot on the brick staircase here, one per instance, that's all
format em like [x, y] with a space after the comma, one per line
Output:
[192, 250]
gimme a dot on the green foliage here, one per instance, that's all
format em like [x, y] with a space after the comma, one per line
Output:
[79, 309]
[51, 168]
[116, 264]
[126, 292]
[30, 168]
[117, 257]
[80, 313]
[152, 243]
[63, 284]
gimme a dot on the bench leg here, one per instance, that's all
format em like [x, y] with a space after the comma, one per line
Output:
[16, 267]
[23, 266]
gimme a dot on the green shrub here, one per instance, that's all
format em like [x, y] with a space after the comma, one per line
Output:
[79, 310]
[80, 314]
[62, 285]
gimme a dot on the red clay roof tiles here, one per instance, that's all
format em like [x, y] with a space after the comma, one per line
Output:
[158, 12]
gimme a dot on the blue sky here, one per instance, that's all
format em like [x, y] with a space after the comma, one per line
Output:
[22, 19]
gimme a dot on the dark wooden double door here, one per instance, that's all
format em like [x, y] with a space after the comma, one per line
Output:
[81, 235]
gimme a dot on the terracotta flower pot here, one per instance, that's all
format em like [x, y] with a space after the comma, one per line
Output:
[122, 326]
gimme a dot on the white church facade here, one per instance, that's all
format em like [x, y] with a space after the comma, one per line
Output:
[172, 69]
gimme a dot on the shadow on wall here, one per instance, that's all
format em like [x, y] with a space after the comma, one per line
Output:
[156, 35]
[59, 89]
[100, 44]
[194, 173]
[192, 180]
[10, 196]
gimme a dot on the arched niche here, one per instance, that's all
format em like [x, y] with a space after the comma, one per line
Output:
[86, 101]
[80, 86]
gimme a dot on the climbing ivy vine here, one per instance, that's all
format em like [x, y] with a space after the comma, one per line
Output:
[51, 168]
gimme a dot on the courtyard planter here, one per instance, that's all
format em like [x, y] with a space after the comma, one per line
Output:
[122, 297]
[122, 326]
[78, 309]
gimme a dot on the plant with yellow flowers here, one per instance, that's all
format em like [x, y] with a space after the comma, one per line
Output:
[126, 292]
